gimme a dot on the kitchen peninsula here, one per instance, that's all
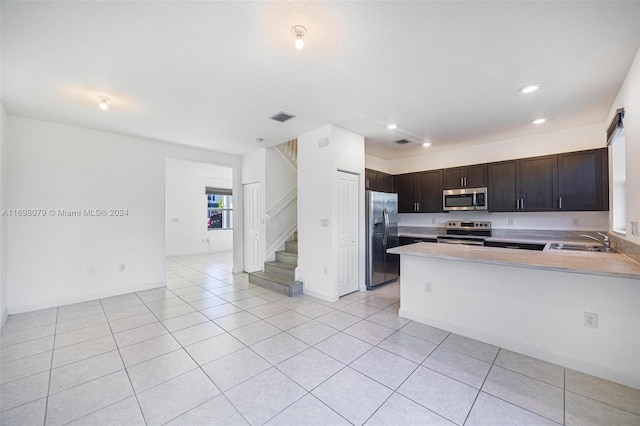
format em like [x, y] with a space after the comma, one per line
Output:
[531, 302]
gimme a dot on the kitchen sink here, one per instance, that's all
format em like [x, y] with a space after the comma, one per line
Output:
[576, 247]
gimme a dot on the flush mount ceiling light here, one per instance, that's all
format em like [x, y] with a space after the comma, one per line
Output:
[530, 88]
[103, 102]
[426, 144]
[300, 32]
[539, 120]
[259, 140]
[392, 126]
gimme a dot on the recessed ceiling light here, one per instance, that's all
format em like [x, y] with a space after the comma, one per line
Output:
[539, 120]
[426, 144]
[530, 88]
[392, 126]
[103, 102]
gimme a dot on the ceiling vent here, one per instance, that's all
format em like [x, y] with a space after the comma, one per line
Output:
[401, 142]
[282, 116]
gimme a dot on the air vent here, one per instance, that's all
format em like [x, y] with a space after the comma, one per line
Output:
[282, 116]
[401, 142]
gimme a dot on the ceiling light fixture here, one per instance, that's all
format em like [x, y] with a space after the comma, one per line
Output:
[259, 140]
[300, 32]
[103, 102]
[426, 144]
[392, 126]
[539, 120]
[530, 88]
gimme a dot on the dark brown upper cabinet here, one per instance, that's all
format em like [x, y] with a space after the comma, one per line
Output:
[370, 179]
[528, 184]
[583, 180]
[465, 177]
[420, 192]
[378, 181]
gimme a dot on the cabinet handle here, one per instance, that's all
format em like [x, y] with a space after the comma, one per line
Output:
[367, 183]
[522, 203]
[517, 203]
[461, 181]
[560, 201]
[418, 209]
[465, 181]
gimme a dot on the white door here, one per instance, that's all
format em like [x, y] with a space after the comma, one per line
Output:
[347, 233]
[251, 194]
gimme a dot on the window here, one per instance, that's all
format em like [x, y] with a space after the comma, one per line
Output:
[616, 140]
[219, 208]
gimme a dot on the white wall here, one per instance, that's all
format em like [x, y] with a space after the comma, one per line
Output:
[186, 217]
[281, 180]
[3, 219]
[317, 200]
[375, 163]
[532, 311]
[568, 140]
[55, 260]
[629, 99]
[586, 221]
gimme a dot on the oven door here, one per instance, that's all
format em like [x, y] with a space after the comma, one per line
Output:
[468, 241]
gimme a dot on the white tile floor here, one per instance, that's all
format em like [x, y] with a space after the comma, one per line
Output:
[213, 349]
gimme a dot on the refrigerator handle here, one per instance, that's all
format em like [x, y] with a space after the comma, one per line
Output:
[385, 233]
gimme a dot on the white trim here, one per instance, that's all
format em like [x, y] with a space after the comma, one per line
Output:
[290, 198]
[86, 297]
[322, 296]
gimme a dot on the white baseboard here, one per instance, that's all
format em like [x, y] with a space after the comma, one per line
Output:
[85, 297]
[321, 296]
[193, 253]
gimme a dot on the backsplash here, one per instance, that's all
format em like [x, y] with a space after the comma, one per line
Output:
[570, 221]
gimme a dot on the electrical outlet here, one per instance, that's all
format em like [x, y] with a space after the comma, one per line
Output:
[208, 240]
[91, 271]
[510, 221]
[326, 270]
[590, 320]
[433, 220]
[123, 267]
[428, 288]
[575, 221]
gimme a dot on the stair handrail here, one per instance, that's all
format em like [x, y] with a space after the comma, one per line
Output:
[291, 197]
[289, 150]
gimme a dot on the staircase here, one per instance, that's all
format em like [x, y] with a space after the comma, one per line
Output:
[280, 275]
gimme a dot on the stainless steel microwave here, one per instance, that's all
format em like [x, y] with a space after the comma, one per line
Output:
[464, 199]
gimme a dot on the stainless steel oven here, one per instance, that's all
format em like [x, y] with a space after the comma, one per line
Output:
[466, 232]
[464, 199]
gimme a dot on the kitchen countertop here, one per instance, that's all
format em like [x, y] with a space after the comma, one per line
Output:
[591, 263]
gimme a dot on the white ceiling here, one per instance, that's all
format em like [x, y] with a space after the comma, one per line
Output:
[209, 74]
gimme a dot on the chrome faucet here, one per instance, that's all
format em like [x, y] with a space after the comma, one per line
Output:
[605, 240]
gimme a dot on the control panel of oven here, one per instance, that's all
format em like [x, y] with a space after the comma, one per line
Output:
[484, 225]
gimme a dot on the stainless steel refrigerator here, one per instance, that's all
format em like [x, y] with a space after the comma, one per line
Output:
[382, 234]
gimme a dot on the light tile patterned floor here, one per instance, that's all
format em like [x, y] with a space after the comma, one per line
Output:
[213, 349]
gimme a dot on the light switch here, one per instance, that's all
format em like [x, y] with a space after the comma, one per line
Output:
[324, 223]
